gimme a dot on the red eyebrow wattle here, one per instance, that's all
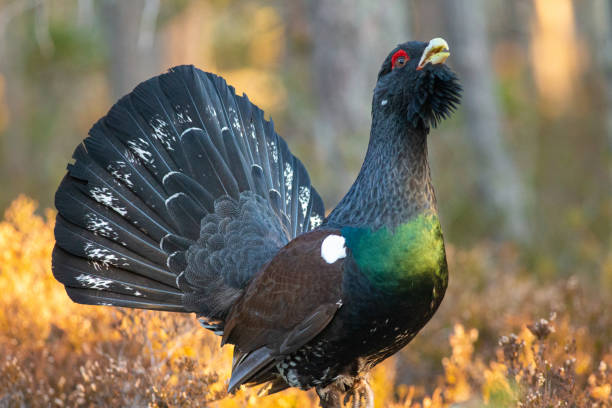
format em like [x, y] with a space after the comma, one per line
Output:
[398, 54]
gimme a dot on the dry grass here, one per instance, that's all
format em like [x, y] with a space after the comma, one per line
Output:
[56, 353]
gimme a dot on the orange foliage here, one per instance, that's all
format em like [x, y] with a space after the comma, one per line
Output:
[57, 353]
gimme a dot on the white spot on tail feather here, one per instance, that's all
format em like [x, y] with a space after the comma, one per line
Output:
[304, 197]
[139, 148]
[103, 195]
[273, 150]
[182, 114]
[130, 157]
[161, 132]
[118, 170]
[384, 102]
[103, 255]
[99, 226]
[333, 248]
[94, 282]
[211, 111]
[234, 119]
[183, 118]
[254, 137]
[315, 221]
[288, 176]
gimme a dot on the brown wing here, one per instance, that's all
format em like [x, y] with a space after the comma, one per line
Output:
[287, 304]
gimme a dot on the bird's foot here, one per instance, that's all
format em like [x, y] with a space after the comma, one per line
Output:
[329, 397]
[361, 394]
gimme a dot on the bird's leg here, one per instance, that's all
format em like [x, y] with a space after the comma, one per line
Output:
[329, 396]
[362, 394]
[368, 395]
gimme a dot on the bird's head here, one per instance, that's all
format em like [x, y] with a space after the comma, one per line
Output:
[415, 83]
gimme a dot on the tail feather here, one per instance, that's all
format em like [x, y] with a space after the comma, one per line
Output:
[176, 182]
[177, 262]
[285, 162]
[259, 180]
[179, 195]
[77, 273]
[102, 187]
[206, 164]
[186, 213]
[172, 243]
[270, 165]
[300, 196]
[107, 298]
[235, 155]
[160, 123]
[198, 108]
[80, 210]
[127, 124]
[88, 245]
[104, 148]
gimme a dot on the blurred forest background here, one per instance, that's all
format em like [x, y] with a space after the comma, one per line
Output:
[527, 157]
[523, 171]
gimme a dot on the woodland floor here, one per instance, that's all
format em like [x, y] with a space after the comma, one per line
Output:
[502, 338]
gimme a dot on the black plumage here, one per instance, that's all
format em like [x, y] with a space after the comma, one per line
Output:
[183, 198]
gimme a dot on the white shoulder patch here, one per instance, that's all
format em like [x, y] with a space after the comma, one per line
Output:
[333, 248]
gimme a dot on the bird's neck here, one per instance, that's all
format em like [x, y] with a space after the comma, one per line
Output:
[394, 184]
[389, 217]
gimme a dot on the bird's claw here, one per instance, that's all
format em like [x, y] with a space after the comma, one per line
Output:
[361, 394]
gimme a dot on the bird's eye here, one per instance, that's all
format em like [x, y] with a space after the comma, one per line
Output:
[399, 59]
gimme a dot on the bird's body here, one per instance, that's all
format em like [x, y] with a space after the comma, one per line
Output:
[372, 323]
[183, 198]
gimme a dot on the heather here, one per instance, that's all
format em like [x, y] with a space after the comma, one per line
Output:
[502, 338]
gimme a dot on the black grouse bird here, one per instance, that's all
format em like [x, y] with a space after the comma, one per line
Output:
[183, 198]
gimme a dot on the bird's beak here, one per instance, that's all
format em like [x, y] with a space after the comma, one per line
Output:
[436, 52]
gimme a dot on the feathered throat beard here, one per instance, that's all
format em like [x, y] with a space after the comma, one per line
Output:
[437, 95]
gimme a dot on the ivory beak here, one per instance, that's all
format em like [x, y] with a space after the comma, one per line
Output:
[436, 52]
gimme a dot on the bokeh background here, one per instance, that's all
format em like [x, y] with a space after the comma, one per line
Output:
[523, 175]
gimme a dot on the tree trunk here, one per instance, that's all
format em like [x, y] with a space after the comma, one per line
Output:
[129, 27]
[499, 182]
[602, 16]
[14, 141]
[350, 39]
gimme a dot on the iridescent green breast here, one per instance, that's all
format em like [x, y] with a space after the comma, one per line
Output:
[401, 257]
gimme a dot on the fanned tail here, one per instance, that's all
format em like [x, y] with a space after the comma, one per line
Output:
[177, 197]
